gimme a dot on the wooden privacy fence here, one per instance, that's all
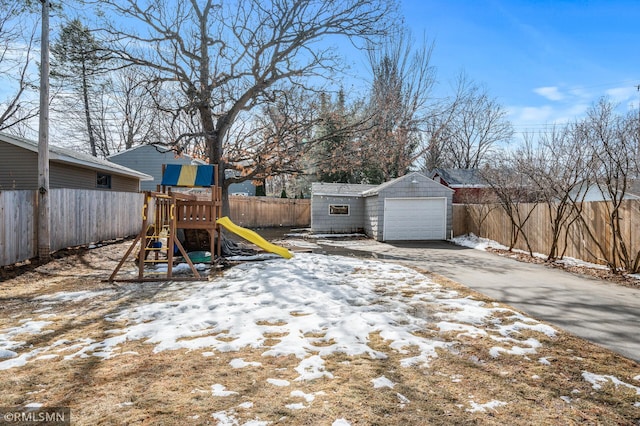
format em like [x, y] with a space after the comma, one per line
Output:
[77, 217]
[266, 212]
[492, 222]
[80, 217]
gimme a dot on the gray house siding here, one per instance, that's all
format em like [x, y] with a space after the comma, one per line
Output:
[322, 221]
[371, 216]
[150, 158]
[19, 171]
[18, 168]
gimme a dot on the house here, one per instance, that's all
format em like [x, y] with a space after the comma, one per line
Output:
[411, 207]
[599, 192]
[468, 184]
[150, 158]
[67, 169]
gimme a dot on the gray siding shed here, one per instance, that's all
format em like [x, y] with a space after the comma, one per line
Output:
[414, 185]
[367, 204]
[326, 195]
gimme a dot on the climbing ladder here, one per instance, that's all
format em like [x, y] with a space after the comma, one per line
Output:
[163, 214]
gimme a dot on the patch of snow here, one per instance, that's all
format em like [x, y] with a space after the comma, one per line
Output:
[259, 256]
[544, 361]
[382, 382]
[464, 329]
[296, 406]
[309, 397]
[491, 405]
[49, 356]
[180, 267]
[597, 380]
[278, 382]
[6, 353]
[566, 399]
[71, 296]
[220, 390]
[478, 243]
[241, 363]
[341, 422]
[312, 368]
[403, 399]
[246, 405]
[301, 243]
[225, 418]
[33, 405]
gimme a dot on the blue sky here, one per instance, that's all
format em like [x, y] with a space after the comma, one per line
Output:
[544, 60]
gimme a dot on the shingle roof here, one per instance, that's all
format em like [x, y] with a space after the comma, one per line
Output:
[460, 177]
[361, 190]
[64, 155]
[321, 188]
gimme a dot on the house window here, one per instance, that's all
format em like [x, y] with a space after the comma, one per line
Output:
[103, 181]
[338, 210]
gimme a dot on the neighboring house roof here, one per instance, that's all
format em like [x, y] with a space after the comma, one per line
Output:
[362, 190]
[339, 189]
[634, 187]
[459, 178]
[68, 156]
[162, 149]
[597, 192]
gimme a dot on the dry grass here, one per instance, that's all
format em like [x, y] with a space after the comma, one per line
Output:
[175, 387]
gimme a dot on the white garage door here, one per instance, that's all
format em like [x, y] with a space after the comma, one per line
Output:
[415, 219]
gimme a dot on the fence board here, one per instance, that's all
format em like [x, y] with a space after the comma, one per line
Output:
[80, 217]
[17, 226]
[253, 212]
[575, 240]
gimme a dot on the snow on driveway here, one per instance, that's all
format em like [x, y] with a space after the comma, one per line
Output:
[320, 305]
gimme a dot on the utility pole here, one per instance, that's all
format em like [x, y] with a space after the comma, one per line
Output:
[638, 140]
[44, 211]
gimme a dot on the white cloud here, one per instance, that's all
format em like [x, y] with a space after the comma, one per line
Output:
[552, 93]
[622, 94]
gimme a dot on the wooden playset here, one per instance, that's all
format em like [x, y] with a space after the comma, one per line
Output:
[164, 213]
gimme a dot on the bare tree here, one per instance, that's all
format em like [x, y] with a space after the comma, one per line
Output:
[227, 58]
[613, 140]
[472, 130]
[515, 193]
[17, 108]
[558, 164]
[400, 105]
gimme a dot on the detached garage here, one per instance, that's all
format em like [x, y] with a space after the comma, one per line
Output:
[411, 207]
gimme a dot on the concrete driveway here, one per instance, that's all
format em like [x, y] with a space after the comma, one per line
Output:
[603, 313]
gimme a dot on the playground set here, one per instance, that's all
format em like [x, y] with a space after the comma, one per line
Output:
[166, 213]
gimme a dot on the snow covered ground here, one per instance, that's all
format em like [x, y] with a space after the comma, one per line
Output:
[319, 305]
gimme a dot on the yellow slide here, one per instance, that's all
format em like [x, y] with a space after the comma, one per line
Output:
[254, 238]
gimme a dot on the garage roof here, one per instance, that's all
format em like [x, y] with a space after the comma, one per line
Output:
[339, 189]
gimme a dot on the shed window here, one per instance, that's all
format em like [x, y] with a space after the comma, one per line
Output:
[338, 210]
[103, 181]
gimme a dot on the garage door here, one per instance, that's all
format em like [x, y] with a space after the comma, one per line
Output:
[415, 219]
